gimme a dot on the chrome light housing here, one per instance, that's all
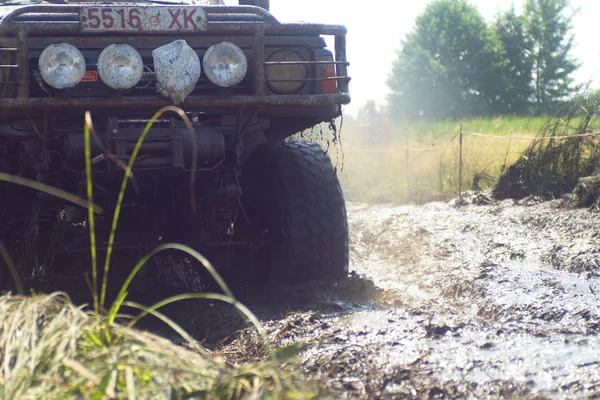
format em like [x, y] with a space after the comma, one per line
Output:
[120, 66]
[225, 64]
[61, 65]
[285, 72]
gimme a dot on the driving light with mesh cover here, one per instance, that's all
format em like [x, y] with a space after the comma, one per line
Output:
[177, 68]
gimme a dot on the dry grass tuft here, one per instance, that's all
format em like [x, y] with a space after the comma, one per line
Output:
[51, 349]
[553, 165]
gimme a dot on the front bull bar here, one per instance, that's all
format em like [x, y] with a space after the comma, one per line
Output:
[63, 21]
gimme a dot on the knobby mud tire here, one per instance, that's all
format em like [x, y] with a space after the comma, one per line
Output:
[292, 190]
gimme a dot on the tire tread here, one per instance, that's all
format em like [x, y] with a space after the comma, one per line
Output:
[317, 245]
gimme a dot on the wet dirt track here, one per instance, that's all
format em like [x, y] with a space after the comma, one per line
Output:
[479, 301]
[494, 301]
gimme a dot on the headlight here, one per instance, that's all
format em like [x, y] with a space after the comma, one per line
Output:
[289, 77]
[225, 64]
[62, 66]
[120, 66]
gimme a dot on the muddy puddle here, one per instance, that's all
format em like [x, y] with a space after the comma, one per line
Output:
[479, 301]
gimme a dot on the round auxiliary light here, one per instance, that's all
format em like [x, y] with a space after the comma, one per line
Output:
[120, 66]
[225, 64]
[61, 65]
[286, 77]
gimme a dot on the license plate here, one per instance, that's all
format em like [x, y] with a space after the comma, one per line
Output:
[144, 18]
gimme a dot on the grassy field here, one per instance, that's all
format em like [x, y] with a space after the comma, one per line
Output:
[380, 171]
[497, 126]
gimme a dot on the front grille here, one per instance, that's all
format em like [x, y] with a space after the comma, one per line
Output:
[8, 71]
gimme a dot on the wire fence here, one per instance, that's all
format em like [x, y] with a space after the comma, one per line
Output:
[422, 164]
[486, 135]
[562, 137]
[460, 136]
[437, 148]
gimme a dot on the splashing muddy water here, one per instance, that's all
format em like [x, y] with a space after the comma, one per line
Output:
[480, 301]
[510, 292]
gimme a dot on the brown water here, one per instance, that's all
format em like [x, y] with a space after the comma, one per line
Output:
[480, 301]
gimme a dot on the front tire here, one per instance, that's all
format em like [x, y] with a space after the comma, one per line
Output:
[292, 192]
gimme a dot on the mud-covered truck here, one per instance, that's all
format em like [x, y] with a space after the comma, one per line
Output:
[235, 187]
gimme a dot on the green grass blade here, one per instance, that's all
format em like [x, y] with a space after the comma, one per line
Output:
[208, 296]
[168, 246]
[172, 324]
[91, 220]
[12, 269]
[42, 187]
[128, 173]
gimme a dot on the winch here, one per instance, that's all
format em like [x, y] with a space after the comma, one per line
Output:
[168, 145]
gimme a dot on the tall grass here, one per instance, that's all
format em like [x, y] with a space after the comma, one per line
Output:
[48, 347]
[383, 172]
[553, 164]
[502, 125]
[51, 349]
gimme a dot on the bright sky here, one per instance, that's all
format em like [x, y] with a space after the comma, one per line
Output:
[375, 28]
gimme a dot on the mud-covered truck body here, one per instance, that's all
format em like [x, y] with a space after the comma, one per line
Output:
[233, 187]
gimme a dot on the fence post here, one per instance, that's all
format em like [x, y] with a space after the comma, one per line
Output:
[441, 177]
[460, 165]
[407, 167]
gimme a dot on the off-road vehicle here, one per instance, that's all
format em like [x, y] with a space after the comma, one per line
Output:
[259, 202]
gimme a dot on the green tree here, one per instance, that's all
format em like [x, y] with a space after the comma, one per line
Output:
[549, 27]
[511, 29]
[450, 65]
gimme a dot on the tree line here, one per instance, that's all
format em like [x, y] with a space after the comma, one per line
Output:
[455, 64]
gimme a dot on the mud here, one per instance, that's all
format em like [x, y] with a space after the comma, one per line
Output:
[486, 300]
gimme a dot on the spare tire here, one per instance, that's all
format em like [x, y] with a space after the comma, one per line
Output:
[259, 3]
[292, 192]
